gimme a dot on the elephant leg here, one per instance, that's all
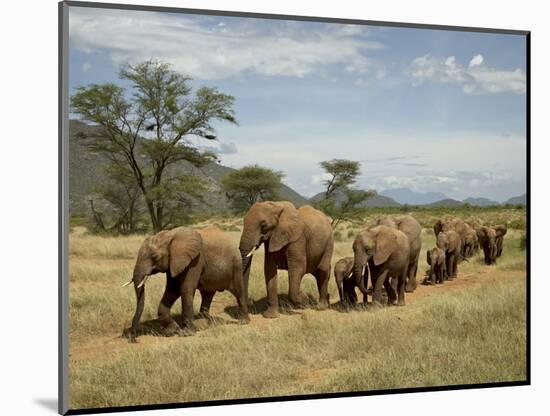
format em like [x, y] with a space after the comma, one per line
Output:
[390, 290]
[340, 286]
[411, 276]
[240, 294]
[171, 294]
[188, 287]
[206, 300]
[449, 261]
[270, 273]
[401, 291]
[455, 265]
[295, 295]
[322, 277]
[377, 291]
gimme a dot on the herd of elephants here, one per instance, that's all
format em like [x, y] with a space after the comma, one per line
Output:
[300, 241]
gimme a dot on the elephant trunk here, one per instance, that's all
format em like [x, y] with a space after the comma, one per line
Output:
[359, 268]
[142, 271]
[140, 302]
[247, 247]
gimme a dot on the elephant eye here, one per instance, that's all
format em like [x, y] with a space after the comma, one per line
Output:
[263, 225]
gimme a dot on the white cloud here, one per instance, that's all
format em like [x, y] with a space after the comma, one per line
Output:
[476, 60]
[318, 179]
[455, 163]
[205, 48]
[477, 78]
[86, 66]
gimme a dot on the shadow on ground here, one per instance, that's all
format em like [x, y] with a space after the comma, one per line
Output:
[48, 404]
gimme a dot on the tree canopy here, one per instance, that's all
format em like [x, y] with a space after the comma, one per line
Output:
[340, 201]
[250, 184]
[148, 127]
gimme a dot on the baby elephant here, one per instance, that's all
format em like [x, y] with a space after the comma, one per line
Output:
[436, 261]
[204, 260]
[343, 274]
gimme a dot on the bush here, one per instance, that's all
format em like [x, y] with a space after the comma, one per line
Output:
[523, 242]
[351, 233]
[338, 236]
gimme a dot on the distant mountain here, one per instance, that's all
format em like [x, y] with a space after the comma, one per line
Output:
[480, 202]
[409, 197]
[448, 202]
[86, 171]
[517, 200]
[373, 201]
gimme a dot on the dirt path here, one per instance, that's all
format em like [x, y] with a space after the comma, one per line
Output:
[107, 346]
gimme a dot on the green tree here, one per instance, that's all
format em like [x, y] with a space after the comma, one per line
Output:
[250, 184]
[342, 174]
[340, 201]
[123, 195]
[148, 127]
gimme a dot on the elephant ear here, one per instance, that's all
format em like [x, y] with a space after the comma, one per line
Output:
[386, 243]
[185, 247]
[289, 228]
[429, 257]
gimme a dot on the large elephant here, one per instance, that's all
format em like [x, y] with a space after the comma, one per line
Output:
[343, 275]
[449, 241]
[192, 259]
[455, 224]
[500, 231]
[386, 252]
[469, 243]
[438, 270]
[297, 240]
[412, 229]
[488, 240]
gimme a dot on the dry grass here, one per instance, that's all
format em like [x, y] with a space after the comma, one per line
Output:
[472, 333]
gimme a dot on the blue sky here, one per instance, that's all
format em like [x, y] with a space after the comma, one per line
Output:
[423, 109]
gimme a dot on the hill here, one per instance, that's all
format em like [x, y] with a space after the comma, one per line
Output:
[374, 201]
[517, 200]
[480, 202]
[410, 197]
[448, 202]
[86, 172]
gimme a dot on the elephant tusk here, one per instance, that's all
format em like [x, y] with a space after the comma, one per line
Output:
[363, 270]
[251, 252]
[127, 283]
[143, 281]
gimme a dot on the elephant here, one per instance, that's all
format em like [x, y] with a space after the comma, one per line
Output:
[412, 229]
[501, 231]
[386, 252]
[450, 242]
[297, 240]
[192, 259]
[343, 274]
[475, 224]
[488, 240]
[438, 270]
[469, 243]
[455, 224]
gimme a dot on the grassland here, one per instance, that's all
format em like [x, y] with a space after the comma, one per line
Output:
[470, 330]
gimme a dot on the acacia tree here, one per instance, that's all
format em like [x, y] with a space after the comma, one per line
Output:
[120, 190]
[149, 128]
[250, 184]
[340, 201]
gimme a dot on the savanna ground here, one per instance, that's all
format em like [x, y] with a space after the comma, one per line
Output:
[470, 330]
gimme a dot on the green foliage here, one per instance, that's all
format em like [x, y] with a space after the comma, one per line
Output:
[523, 242]
[250, 184]
[148, 131]
[343, 173]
